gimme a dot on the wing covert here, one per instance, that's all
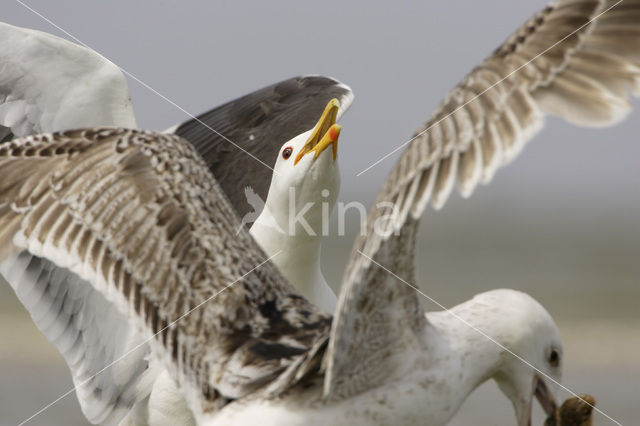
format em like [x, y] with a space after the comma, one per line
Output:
[139, 217]
[576, 59]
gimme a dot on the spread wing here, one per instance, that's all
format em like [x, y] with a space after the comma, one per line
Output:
[89, 332]
[48, 84]
[136, 219]
[560, 62]
[259, 123]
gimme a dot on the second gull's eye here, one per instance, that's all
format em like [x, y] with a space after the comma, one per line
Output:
[554, 358]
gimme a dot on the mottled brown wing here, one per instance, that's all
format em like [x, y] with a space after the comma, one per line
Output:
[562, 62]
[566, 61]
[139, 217]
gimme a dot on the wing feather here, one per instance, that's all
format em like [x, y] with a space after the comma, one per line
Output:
[48, 84]
[136, 218]
[89, 333]
[469, 169]
[560, 62]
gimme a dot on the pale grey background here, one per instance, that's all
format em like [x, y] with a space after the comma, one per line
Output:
[561, 222]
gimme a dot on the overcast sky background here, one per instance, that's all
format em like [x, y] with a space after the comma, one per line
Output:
[399, 59]
[571, 199]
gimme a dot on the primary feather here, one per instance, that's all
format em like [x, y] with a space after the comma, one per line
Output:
[570, 60]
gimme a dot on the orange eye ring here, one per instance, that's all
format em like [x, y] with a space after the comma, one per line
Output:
[286, 153]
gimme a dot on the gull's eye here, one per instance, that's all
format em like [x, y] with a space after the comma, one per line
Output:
[286, 153]
[554, 358]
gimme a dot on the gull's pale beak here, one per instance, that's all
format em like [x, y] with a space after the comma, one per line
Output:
[325, 133]
[544, 397]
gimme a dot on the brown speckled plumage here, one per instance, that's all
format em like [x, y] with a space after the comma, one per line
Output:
[481, 125]
[140, 216]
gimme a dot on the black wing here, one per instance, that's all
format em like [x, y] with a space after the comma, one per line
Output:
[259, 123]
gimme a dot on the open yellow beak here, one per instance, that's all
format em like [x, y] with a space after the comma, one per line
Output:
[325, 133]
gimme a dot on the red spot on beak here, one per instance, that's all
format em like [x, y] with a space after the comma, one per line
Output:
[333, 135]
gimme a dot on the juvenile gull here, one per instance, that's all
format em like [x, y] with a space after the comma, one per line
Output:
[48, 83]
[256, 351]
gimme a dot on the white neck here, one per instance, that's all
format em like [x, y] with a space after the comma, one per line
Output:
[298, 260]
[466, 369]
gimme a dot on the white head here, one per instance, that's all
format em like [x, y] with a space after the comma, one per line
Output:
[306, 177]
[526, 329]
